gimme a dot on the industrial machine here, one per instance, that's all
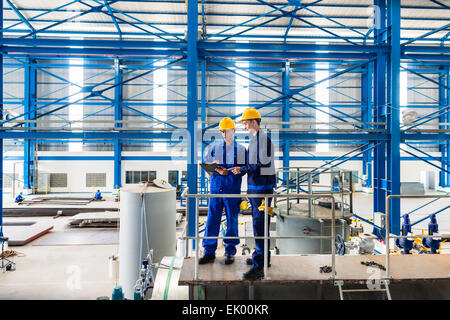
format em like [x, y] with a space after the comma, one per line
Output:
[313, 217]
[434, 240]
[405, 243]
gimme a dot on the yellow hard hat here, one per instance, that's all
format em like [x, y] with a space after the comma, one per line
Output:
[250, 113]
[226, 123]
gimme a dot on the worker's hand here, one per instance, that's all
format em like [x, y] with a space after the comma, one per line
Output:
[222, 171]
[236, 170]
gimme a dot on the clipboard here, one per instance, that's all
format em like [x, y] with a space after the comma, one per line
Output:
[210, 168]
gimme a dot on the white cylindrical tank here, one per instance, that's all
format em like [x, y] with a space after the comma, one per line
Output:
[137, 236]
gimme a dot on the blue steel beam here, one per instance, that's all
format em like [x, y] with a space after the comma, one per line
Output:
[134, 18]
[41, 14]
[334, 21]
[297, 91]
[286, 115]
[1, 123]
[393, 154]
[244, 23]
[113, 18]
[427, 155]
[442, 147]
[30, 91]
[425, 160]
[366, 115]
[309, 23]
[22, 18]
[203, 116]
[427, 118]
[91, 93]
[288, 28]
[118, 115]
[447, 118]
[379, 96]
[92, 10]
[259, 25]
[426, 34]
[192, 112]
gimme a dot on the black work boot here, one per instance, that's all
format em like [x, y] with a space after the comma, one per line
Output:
[229, 259]
[249, 262]
[207, 258]
[254, 274]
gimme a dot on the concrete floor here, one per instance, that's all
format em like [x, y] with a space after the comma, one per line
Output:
[58, 272]
[82, 271]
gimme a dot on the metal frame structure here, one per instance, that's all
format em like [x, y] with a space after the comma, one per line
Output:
[279, 39]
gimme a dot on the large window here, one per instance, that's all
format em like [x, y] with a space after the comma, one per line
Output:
[403, 97]
[173, 177]
[160, 100]
[139, 176]
[242, 87]
[76, 78]
[323, 98]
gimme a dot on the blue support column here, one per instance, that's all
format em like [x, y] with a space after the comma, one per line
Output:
[366, 113]
[443, 147]
[203, 116]
[30, 89]
[393, 149]
[1, 120]
[118, 111]
[285, 117]
[379, 96]
[192, 110]
[447, 151]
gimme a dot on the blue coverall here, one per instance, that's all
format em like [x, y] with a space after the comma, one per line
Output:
[19, 198]
[98, 195]
[228, 157]
[261, 179]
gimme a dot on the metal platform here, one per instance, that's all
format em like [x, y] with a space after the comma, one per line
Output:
[38, 206]
[20, 234]
[300, 269]
[95, 219]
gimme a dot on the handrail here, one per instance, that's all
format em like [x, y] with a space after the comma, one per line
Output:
[388, 214]
[266, 236]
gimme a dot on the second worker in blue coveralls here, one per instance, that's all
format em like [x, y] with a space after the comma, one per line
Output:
[260, 169]
[228, 153]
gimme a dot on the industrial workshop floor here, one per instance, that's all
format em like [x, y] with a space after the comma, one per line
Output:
[58, 270]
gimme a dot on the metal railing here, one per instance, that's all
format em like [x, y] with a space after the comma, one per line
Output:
[267, 236]
[306, 174]
[388, 214]
[266, 225]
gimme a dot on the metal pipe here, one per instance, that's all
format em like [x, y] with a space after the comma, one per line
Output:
[183, 194]
[310, 207]
[196, 240]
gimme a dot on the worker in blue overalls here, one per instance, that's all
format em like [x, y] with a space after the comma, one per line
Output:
[260, 172]
[98, 195]
[19, 198]
[227, 153]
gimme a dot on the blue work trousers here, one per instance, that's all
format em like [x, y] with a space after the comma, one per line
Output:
[215, 209]
[258, 228]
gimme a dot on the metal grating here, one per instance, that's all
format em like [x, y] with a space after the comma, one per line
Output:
[96, 179]
[7, 180]
[58, 180]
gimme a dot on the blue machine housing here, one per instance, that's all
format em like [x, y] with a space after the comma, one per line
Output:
[432, 242]
[405, 243]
